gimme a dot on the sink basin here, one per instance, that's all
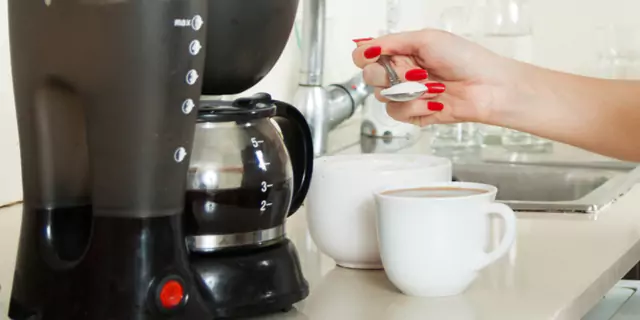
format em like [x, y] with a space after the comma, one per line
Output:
[553, 187]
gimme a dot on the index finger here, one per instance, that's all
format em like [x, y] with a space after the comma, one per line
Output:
[404, 43]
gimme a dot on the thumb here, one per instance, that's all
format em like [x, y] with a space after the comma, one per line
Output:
[404, 43]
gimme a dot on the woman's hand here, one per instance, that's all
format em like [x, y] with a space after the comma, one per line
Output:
[465, 81]
[598, 115]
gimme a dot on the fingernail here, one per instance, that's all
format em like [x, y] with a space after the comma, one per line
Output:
[361, 39]
[416, 75]
[435, 87]
[372, 52]
[435, 106]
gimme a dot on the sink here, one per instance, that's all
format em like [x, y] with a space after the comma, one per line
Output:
[553, 187]
[579, 186]
[611, 303]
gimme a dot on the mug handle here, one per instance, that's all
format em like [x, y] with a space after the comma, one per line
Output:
[299, 142]
[508, 238]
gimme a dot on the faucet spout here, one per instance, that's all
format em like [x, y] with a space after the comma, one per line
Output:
[323, 107]
[327, 107]
[313, 30]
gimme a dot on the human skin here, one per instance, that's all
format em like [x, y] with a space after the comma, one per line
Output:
[599, 115]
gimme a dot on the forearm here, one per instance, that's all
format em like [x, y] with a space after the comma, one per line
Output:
[599, 115]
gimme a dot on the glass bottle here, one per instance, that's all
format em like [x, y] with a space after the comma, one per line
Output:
[460, 139]
[508, 31]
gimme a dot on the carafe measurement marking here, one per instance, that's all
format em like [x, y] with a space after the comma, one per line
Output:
[261, 162]
[264, 204]
[256, 143]
[265, 186]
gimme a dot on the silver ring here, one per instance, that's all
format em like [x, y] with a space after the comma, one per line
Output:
[209, 243]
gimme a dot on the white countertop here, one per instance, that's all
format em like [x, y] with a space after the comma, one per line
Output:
[559, 268]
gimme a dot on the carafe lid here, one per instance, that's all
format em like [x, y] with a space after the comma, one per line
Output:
[257, 106]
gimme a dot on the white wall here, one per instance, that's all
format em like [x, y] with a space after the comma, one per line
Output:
[563, 39]
[563, 34]
[10, 184]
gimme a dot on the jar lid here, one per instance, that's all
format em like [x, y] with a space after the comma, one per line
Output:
[243, 109]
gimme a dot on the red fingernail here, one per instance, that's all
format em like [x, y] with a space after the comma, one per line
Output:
[416, 75]
[372, 52]
[435, 106]
[362, 39]
[435, 87]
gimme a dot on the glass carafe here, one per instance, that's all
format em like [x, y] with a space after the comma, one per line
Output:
[250, 168]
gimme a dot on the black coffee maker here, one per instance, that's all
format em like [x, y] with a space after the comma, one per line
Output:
[108, 97]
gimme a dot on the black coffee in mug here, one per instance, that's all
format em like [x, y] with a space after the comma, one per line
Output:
[434, 192]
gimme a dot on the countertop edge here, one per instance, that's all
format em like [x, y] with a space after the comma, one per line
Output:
[603, 284]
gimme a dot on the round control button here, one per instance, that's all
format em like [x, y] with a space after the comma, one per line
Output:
[171, 294]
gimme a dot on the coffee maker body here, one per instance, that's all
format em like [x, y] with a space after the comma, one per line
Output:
[104, 96]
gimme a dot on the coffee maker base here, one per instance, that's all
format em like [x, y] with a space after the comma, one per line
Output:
[251, 282]
[118, 276]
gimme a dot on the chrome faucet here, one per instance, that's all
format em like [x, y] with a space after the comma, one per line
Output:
[323, 107]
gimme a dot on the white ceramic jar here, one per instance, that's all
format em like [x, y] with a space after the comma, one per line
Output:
[340, 204]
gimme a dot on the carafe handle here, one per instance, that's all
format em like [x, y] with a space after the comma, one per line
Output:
[299, 142]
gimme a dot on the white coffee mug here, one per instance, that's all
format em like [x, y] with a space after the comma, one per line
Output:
[432, 236]
[340, 206]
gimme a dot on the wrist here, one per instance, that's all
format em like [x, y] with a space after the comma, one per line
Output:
[520, 91]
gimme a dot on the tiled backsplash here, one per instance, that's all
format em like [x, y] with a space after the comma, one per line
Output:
[563, 39]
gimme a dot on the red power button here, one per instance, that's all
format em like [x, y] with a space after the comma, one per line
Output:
[171, 294]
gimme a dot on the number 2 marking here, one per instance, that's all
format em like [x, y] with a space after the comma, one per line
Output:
[263, 205]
